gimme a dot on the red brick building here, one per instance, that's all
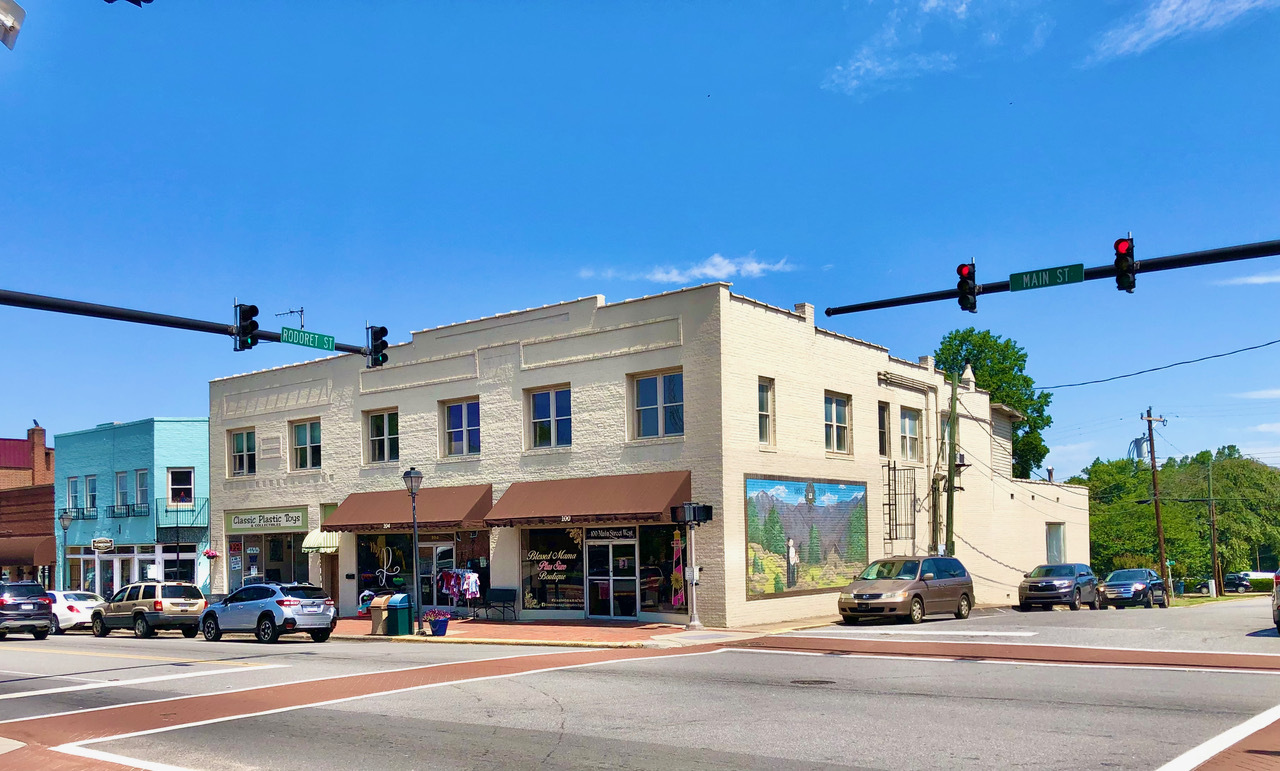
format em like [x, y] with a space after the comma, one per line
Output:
[26, 462]
[28, 546]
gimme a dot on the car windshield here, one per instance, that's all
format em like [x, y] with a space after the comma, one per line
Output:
[1128, 575]
[178, 592]
[305, 592]
[902, 570]
[82, 597]
[25, 590]
[1054, 571]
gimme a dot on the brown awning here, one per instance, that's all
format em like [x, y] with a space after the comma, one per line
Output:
[33, 550]
[624, 498]
[459, 508]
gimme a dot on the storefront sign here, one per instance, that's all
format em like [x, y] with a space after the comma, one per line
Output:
[234, 547]
[267, 521]
[611, 533]
[102, 544]
[553, 570]
[235, 563]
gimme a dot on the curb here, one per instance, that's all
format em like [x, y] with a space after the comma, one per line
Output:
[409, 638]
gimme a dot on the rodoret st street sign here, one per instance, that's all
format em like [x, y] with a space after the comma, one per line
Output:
[306, 339]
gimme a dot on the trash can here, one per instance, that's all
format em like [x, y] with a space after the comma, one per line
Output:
[378, 613]
[399, 619]
[1178, 586]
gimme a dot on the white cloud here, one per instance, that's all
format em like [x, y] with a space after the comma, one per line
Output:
[1267, 393]
[1270, 428]
[718, 268]
[1257, 278]
[874, 66]
[1163, 20]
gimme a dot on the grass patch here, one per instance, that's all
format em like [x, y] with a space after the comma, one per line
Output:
[1197, 599]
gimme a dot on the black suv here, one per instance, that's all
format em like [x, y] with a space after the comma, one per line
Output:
[1231, 582]
[25, 607]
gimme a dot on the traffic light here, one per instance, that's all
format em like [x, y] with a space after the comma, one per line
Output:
[246, 326]
[377, 346]
[968, 287]
[1126, 275]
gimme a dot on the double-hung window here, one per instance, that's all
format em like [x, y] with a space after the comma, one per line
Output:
[73, 492]
[551, 418]
[182, 487]
[462, 428]
[91, 492]
[910, 434]
[659, 401]
[837, 423]
[764, 405]
[384, 437]
[244, 453]
[306, 445]
[143, 487]
[883, 413]
[122, 488]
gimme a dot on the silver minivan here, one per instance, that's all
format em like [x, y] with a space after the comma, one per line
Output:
[908, 588]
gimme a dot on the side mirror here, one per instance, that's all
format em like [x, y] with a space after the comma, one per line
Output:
[926, 577]
[1026, 575]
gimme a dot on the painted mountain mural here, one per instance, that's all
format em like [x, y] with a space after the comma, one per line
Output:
[804, 536]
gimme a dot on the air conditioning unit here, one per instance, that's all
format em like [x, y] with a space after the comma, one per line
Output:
[960, 460]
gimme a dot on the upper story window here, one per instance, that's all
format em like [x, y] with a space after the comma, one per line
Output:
[73, 492]
[659, 401]
[244, 453]
[837, 422]
[551, 418]
[122, 488]
[182, 485]
[384, 437]
[764, 405]
[910, 434]
[91, 492]
[462, 428]
[883, 413]
[306, 445]
[143, 486]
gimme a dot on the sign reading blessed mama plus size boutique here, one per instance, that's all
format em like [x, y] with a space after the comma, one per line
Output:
[267, 521]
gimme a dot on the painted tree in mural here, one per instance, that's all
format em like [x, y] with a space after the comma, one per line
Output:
[756, 565]
[753, 523]
[778, 586]
[775, 538]
[814, 556]
[855, 549]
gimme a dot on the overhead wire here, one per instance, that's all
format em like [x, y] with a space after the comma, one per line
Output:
[1157, 369]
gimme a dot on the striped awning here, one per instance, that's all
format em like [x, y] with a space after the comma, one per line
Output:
[321, 542]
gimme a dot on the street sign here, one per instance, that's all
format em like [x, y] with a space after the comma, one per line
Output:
[1036, 279]
[102, 544]
[306, 339]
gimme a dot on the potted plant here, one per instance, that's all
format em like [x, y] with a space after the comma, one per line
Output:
[211, 554]
[438, 620]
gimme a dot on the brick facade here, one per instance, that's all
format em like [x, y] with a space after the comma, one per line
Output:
[26, 462]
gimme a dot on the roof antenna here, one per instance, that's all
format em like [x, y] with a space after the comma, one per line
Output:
[302, 323]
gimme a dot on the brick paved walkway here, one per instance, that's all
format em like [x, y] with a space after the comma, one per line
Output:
[581, 633]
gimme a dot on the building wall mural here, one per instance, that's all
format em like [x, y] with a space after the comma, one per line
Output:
[803, 535]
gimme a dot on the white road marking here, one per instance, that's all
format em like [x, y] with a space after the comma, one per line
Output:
[79, 749]
[137, 681]
[1198, 755]
[1069, 645]
[54, 677]
[850, 632]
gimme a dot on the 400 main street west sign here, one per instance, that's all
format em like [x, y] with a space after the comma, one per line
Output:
[306, 339]
[1037, 279]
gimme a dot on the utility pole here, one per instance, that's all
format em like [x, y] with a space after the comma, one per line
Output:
[1213, 531]
[953, 426]
[1155, 494]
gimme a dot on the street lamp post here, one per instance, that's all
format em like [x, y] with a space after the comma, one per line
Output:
[64, 519]
[412, 481]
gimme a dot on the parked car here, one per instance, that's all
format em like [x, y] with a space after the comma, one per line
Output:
[271, 609]
[1275, 605]
[1133, 587]
[73, 610]
[1231, 582]
[908, 587]
[1070, 584]
[25, 607]
[150, 606]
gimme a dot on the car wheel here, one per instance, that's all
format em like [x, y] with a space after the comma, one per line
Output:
[962, 611]
[850, 620]
[57, 626]
[1075, 600]
[1096, 604]
[1164, 600]
[1147, 602]
[6, 634]
[212, 632]
[1024, 607]
[40, 634]
[100, 628]
[1243, 590]
[917, 610]
[267, 631]
[141, 628]
[320, 636]
[189, 632]
[1204, 590]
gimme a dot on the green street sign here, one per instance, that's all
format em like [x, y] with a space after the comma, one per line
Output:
[306, 339]
[1036, 279]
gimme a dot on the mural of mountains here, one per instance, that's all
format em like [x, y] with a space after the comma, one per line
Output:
[831, 521]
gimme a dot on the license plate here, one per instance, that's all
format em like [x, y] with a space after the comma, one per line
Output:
[311, 610]
[862, 606]
[28, 606]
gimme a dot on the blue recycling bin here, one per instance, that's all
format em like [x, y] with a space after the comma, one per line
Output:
[399, 618]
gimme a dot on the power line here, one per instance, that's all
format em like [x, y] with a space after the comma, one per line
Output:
[1157, 369]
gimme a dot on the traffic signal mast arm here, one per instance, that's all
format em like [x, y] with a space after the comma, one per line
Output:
[78, 308]
[1172, 262]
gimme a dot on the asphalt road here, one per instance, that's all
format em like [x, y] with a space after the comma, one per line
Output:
[698, 708]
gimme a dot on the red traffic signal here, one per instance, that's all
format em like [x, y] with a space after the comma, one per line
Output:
[965, 271]
[967, 287]
[1124, 246]
[1126, 269]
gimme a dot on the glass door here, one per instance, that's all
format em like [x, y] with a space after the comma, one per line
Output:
[124, 571]
[444, 561]
[612, 577]
[108, 577]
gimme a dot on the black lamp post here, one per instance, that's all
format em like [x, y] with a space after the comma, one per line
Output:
[412, 481]
[64, 519]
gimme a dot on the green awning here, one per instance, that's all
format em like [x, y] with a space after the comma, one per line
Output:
[320, 542]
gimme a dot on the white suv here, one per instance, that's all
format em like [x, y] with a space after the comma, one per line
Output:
[270, 610]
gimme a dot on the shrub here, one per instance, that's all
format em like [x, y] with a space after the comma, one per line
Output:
[1262, 584]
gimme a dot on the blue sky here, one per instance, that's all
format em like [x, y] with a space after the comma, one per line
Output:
[416, 164]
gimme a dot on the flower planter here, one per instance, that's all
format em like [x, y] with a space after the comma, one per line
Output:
[438, 627]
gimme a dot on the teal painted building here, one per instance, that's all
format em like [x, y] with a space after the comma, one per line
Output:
[135, 497]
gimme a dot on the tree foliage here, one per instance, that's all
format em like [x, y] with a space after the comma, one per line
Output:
[999, 366]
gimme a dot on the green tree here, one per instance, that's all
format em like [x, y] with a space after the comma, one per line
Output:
[753, 523]
[757, 566]
[814, 556]
[855, 543]
[778, 586]
[999, 366]
[775, 537]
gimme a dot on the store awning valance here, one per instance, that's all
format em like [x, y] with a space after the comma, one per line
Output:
[624, 498]
[457, 508]
[321, 542]
[33, 550]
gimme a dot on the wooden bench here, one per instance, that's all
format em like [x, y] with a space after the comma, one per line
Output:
[501, 600]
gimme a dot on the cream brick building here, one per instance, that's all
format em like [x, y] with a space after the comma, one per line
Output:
[720, 399]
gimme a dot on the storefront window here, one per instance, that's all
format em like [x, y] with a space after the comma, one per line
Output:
[384, 563]
[664, 552]
[553, 569]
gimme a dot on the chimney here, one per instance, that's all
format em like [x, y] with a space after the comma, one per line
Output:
[926, 361]
[41, 457]
[806, 310]
[1050, 470]
[966, 377]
